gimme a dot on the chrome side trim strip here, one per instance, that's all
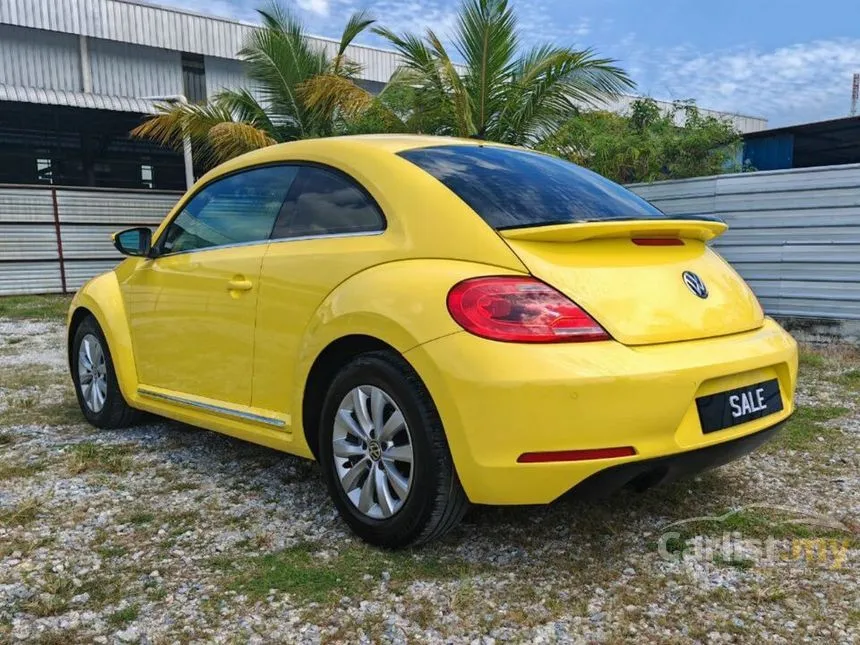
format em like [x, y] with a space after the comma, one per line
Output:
[298, 238]
[326, 236]
[218, 247]
[278, 423]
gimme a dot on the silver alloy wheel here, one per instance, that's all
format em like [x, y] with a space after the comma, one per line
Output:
[92, 373]
[372, 451]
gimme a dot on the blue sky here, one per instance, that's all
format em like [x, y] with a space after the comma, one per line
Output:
[787, 60]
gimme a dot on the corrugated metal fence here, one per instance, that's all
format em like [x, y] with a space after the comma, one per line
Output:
[795, 234]
[52, 240]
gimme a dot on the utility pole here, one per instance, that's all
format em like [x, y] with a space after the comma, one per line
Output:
[855, 94]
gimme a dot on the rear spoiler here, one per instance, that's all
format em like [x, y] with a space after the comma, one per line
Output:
[687, 229]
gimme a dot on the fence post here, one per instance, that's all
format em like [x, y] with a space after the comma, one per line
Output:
[59, 239]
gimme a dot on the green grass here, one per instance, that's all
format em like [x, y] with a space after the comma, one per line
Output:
[26, 388]
[61, 637]
[733, 561]
[757, 523]
[801, 432]
[49, 307]
[809, 357]
[310, 578]
[123, 616]
[16, 470]
[22, 514]
[111, 551]
[850, 379]
[24, 546]
[139, 518]
[90, 457]
[59, 589]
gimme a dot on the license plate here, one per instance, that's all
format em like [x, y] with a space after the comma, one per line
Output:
[726, 409]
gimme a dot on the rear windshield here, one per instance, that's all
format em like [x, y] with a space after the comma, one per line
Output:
[512, 188]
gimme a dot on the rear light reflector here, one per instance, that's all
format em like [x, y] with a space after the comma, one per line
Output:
[658, 241]
[576, 455]
[520, 310]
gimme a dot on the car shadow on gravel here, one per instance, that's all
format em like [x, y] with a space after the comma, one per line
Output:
[607, 524]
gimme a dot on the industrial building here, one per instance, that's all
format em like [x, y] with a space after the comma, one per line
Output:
[822, 143]
[77, 75]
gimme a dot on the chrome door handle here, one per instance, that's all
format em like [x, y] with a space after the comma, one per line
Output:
[239, 285]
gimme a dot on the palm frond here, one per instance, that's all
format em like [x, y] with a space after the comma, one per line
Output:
[357, 23]
[279, 58]
[164, 128]
[415, 54]
[230, 139]
[244, 106]
[460, 100]
[549, 84]
[486, 38]
[328, 92]
[173, 122]
[591, 79]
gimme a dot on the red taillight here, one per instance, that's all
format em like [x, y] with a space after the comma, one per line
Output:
[520, 310]
[657, 241]
[576, 455]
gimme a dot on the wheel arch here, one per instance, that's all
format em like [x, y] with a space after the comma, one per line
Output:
[334, 357]
[77, 316]
[395, 306]
[102, 299]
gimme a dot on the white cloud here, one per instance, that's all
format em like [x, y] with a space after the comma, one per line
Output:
[800, 82]
[319, 7]
[538, 23]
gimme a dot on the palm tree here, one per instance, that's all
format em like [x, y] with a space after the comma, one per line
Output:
[298, 93]
[499, 93]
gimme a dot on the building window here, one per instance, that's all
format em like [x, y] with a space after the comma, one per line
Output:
[44, 170]
[146, 175]
[193, 78]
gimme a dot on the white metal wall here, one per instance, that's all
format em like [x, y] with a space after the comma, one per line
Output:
[123, 69]
[162, 27]
[39, 226]
[794, 234]
[225, 73]
[46, 60]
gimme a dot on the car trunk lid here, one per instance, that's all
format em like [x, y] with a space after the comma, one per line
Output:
[637, 278]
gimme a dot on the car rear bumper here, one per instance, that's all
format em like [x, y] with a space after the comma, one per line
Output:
[647, 473]
[501, 400]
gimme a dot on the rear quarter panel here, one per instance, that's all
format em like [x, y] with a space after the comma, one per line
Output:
[402, 304]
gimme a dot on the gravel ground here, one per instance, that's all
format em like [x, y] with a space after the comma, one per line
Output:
[166, 533]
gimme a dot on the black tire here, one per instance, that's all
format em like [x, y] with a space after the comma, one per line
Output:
[115, 412]
[436, 501]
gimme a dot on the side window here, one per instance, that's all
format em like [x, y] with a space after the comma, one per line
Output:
[239, 208]
[326, 202]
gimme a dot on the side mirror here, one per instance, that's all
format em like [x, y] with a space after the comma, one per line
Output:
[133, 241]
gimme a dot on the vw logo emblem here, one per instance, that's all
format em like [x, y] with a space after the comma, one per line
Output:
[694, 283]
[375, 451]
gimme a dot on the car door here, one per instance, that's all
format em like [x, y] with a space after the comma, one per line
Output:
[192, 308]
[329, 229]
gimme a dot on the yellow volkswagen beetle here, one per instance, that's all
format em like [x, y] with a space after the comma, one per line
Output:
[437, 322]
